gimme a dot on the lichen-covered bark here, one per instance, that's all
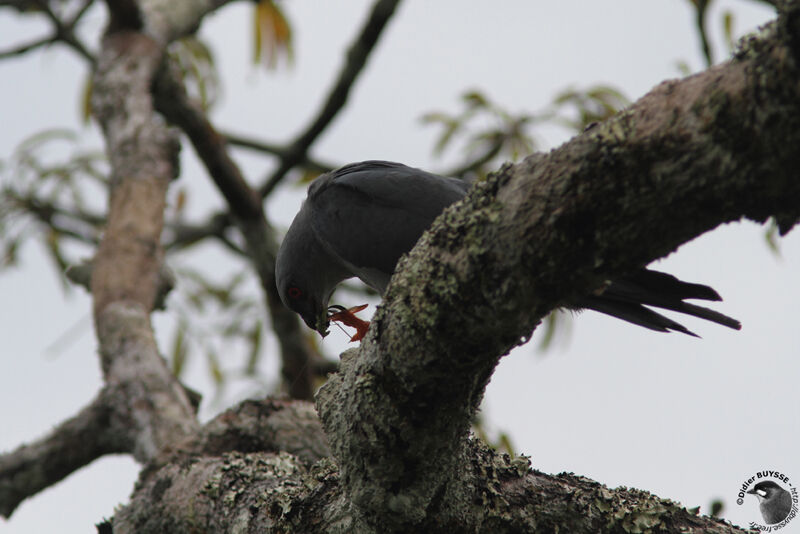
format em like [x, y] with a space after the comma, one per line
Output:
[260, 467]
[250, 486]
[152, 406]
[690, 155]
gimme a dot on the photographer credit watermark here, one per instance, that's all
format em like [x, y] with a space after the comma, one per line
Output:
[776, 497]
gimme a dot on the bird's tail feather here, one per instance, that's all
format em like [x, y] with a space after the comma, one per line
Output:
[626, 298]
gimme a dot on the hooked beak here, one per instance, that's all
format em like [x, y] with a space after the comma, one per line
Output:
[317, 322]
[322, 323]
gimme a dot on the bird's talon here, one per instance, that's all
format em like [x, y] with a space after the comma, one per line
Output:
[333, 309]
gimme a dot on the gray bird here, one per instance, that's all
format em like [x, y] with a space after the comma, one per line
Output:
[775, 502]
[358, 220]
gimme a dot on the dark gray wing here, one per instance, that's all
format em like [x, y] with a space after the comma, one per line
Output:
[369, 214]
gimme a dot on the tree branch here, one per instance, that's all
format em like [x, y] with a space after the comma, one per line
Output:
[214, 484]
[477, 163]
[245, 206]
[357, 57]
[182, 235]
[166, 21]
[280, 151]
[64, 31]
[22, 49]
[690, 155]
[70, 446]
[79, 225]
[125, 272]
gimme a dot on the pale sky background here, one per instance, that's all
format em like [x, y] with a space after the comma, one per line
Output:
[688, 419]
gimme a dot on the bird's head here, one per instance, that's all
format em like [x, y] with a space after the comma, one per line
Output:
[766, 489]
[306, 304]
[300, 292]
[305, 275]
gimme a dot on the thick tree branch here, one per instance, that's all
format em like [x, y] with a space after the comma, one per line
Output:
[125, 272]
[357, 57]
[690, 155]
[70, 446]
[262, 468]
[268, 425]
[164, 20]
[149, 410]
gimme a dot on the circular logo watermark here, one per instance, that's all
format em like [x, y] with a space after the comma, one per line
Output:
[775, 496]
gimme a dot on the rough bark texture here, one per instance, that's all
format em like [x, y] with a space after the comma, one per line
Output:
[235, 480]
[687, 157]
[125, 273]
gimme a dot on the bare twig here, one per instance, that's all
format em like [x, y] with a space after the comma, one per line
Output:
[23, 6]
[471, 166]
[80, 12]
[78, 224]
[183, 235]
[357, 57]
[64, 31]
[276, 150]
[24, 48]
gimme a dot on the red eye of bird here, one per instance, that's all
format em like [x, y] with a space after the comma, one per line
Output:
[294, 292]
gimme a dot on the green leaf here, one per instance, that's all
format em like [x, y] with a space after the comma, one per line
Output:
[447, 135]
[214, 368]
[727, 29]
[255, 349]
[10, 253]
[179, 350]
[272, 35]
[683, 68]
[504, 441]
[308, 176]
[475, 99]
[717, 506]
[194, 61]
[772, 237]
[86, 99]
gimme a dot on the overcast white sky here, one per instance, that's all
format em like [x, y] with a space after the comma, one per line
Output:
[688, 419]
